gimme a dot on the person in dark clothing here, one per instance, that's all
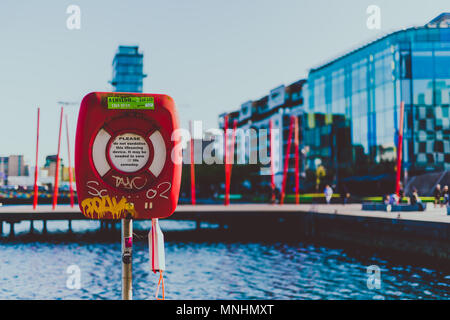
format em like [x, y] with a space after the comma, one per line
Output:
[446, 195]
[277, 194]
[386, 199]
[345, 195]
[401, 193]
[437, 195]
[272, 195]
[415, 199]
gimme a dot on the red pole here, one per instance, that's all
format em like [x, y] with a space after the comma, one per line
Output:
[286, 161]
[400, 149]
[227, 180]
[192, 166]
[272, 171]
[233, 140]
[297, 172]
[56, 185]
[70, 164]
[36, 171]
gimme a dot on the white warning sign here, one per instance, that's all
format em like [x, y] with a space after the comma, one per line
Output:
[129, 152]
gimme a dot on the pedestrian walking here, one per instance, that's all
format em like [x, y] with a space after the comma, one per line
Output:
[277, 195]
[393, 199]
[415, 199]
[437, 195]
[446, 195]
[345, 194]
[328, 192]
[401, 193]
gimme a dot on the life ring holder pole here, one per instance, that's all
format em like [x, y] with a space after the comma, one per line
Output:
[127, 261]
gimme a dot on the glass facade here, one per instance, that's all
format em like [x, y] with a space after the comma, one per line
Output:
[128, 70]
[358, 96]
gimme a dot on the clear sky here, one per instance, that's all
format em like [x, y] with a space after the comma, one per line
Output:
[210, 56]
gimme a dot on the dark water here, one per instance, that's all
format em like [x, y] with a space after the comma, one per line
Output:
[205, 270]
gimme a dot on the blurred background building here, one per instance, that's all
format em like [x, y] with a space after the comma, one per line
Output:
[128, 72]
[11, 167]
[348, 111]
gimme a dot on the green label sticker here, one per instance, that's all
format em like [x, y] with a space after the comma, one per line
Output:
[143, 103]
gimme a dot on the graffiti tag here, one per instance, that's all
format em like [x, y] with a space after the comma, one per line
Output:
[128, 183]
[98, 207]
[151, 193]
[94, 191]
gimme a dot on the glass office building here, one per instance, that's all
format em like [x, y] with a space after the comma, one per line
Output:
[359, 96]
[128, 72]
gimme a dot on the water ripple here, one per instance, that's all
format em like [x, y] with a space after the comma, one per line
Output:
[211, 271]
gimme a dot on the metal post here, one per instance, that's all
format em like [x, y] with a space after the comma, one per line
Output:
[127, 266]
[11, 230]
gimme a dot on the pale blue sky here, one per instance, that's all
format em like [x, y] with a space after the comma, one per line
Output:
[210, 56]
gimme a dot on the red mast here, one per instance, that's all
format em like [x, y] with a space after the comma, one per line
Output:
[297, 173]
[56, 184]
[192, 166]
[36, 171]
[233, 139]
[400, 149]
[286, 160]
[70, 164]
[272, 170]
[227, 178]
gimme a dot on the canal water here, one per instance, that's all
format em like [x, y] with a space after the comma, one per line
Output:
[38, 269]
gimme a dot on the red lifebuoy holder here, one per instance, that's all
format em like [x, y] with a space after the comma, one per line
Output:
[123, 156]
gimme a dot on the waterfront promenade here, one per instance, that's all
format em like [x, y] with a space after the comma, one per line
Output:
[423, 234]
[211, 212]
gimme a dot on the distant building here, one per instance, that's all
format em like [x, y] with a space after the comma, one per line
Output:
[12, 166]
[50, 165]
[13, 170]
[363, 90]
[348, 110]
[278, 106]
[16, 166]
[3, 170]
[65, 176]
[128, 72]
